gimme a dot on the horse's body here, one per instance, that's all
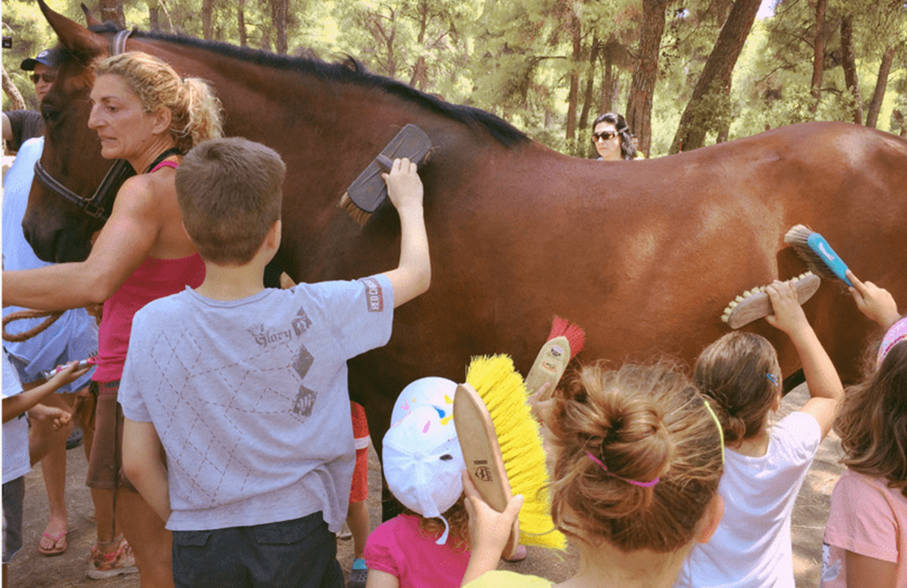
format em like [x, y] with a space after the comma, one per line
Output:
[644, 255]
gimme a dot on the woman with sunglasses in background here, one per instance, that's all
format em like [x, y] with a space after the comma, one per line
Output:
[612, 138]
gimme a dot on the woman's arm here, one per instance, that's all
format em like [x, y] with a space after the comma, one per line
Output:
[863, 570]
[123, 243]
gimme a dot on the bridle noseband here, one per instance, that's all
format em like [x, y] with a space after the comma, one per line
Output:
[99, 205]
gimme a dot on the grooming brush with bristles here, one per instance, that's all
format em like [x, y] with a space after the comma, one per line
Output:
[368, 191]
[502, 448]
[755, 304]
[812, 248]
[565, 340]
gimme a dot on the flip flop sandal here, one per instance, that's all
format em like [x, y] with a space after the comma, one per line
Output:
[58, 545]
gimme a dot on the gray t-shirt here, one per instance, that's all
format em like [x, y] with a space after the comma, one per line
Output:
[249, 398]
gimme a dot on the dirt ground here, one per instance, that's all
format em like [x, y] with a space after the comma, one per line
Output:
[30, 569]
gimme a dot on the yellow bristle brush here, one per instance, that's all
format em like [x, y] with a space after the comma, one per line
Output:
[494, 388]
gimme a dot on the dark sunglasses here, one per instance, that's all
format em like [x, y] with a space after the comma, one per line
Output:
[47, 77]
[603, 136]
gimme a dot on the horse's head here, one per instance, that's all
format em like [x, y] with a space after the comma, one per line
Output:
[57, 228]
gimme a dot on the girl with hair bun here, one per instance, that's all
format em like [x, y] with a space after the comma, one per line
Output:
[638, 456]
[866, 536]
[145, 113]
[765, 465]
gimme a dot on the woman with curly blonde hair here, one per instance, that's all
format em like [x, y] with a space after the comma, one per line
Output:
[145, 113]
[866, 536]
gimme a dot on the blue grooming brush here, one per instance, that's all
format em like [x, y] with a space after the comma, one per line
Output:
[817, 253]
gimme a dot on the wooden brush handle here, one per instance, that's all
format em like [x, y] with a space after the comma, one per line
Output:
[482, 454]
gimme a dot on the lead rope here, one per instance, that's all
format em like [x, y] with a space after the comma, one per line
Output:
[52, 317]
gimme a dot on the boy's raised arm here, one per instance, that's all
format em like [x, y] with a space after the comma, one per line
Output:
[412, 275]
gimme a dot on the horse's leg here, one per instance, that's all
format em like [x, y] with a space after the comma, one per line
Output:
[150, 541]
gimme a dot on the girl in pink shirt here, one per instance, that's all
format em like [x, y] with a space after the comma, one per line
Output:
[866, 535]
[428, 546]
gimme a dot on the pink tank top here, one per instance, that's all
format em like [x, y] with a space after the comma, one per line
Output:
[154, 279]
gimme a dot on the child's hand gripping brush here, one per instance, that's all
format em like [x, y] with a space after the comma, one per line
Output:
[754, 304]
[502, 448]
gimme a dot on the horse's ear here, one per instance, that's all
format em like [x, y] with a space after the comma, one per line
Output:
[90, 20]
[72, 35]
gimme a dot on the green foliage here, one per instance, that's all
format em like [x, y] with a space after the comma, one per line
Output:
[515, 58]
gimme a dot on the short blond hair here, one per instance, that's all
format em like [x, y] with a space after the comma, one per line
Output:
[229, 192]
[642, 422]
[196, 113]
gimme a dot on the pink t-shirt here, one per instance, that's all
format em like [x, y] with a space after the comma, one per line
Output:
[866, 517]
[399, 548]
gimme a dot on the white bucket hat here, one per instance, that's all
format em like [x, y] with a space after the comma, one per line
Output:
[421, 454]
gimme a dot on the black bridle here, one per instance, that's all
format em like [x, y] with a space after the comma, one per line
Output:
[99, 205]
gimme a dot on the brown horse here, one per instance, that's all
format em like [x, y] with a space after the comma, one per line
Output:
[643, 254]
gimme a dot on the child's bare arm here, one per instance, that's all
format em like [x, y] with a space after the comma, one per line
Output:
[18, 404]
[412, 275]
[822, 379]
[380, 579]
[57, 416]
[876, 303]
[143, 464]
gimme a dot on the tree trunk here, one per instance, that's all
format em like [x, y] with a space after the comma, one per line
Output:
[573, 95]
[419, 79]
[639, 103]
[607, 96]
[279, 18]
[716, 75]
[113, 10]
[851, 80]
[818, 55]
[154, 18]
[241, 22]
[12, 92]
[590, 83]
[208, 19]
[875, 105]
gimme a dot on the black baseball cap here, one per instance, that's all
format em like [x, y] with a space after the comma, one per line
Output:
[48, 57]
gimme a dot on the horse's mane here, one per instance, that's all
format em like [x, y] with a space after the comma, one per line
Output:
[349, 71]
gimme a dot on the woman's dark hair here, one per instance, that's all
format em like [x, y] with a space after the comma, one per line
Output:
[627, 147]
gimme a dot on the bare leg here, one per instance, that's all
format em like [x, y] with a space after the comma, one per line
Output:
[357, 521]
[49, 447]
[151, 542]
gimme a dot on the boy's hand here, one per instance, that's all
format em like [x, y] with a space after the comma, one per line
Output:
[70, 372]
[788, 314]
[403, 184]
[489, 529]
[876, 303]
[56, 416]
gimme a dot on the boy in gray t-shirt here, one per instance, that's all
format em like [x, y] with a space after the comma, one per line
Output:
[245, 388]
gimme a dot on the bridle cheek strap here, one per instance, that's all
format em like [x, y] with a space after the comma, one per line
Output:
[99, 205]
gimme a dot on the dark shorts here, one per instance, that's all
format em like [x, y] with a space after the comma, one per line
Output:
[298, 553]
[13, 497]
[105, 461]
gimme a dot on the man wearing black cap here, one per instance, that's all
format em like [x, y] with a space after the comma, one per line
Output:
[21, 125]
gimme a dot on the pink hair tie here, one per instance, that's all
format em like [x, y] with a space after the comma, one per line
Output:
[627, 480]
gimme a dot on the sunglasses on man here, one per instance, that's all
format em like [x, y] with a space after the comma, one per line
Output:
[46, 76]
[603, 136]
